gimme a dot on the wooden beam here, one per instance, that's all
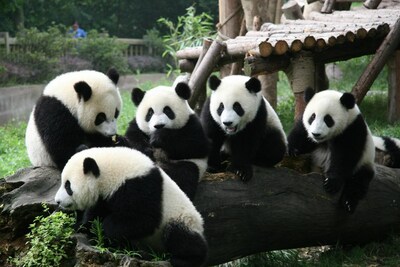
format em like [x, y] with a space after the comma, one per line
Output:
[386, 49]
[394, 87]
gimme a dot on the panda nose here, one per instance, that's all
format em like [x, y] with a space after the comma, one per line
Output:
[227, 123]
[316, 134]
[159, 126]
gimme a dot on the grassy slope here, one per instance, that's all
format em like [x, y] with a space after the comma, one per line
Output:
[13, 156]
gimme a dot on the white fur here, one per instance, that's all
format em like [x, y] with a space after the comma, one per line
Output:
[328, 102]
[380, 143]
[37, 152]
[157, 98]
[116, 165]
[232, 89]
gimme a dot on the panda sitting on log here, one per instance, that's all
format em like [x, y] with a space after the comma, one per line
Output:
[334, 131]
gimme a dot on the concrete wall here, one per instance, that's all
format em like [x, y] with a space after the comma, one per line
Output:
[17, 102]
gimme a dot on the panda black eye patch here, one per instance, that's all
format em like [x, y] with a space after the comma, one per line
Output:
[149, 114]
[100, 118]
[311, 119]
[329, 121]
[116, 113]
[220, 109]
[238, 109]
[67, 187]
[169, 112]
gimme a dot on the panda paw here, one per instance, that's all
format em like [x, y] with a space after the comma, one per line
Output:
[332, 185]
[245, 173]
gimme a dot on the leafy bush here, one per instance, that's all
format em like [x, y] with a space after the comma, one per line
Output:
[71, 62]
[103, 52]
[189, 31]
[145, 64]
[49, 239]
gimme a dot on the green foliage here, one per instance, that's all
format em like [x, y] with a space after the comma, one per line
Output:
[49, 239]
[13, 154]
[188, 31]
[154, 40]
[103, 51]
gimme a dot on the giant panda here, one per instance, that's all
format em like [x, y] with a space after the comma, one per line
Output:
[240, 121]
[167, 129]
[333, 129]
[389, 148]
[76, 109]
[137, 203]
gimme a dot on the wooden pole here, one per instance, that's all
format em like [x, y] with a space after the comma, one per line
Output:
[385, 50]
[394, 87]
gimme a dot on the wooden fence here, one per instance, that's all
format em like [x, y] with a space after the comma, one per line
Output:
[136, 47]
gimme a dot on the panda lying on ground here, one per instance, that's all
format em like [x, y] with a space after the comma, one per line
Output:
[390, 147]
[137, 203]
[76, 108]
[240, 121]
[333, 129]
[165, 123]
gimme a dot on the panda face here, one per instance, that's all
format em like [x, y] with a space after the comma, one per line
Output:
[162, 107]
[98, 172]
[328, 114]
[234, 101]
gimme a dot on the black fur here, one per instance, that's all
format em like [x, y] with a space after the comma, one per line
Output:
[179, 144]
[348, 100]
[90, 165]
[83, 90]
[253, 85]
[187, 248]
[183, 91]
[113, 75]
[256, 144]
[60, 132]
[214, 82]
[393, 151]
[308, 94]
[346, 151]
[137, 96]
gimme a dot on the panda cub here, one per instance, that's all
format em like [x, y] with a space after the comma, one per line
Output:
[76, 109]
[333, 129]
[166, 129]
[390, 147]
[240, 121]
[137, 203]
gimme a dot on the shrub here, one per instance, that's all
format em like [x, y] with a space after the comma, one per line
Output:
[103, 52]
[49, 239]
[144, 64]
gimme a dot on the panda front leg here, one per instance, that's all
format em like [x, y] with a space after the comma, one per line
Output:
[356, 188]
[186, 247]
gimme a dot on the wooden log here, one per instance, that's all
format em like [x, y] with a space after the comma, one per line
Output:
[189, 53]
[186, 65]
[281, 209]
[237, 66]
[199, 78]
[386, 49]
[292, 10]
[278, 208]
[257, 65]
[394, 87]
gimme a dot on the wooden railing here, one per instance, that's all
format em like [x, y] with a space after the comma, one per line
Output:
[136, 47]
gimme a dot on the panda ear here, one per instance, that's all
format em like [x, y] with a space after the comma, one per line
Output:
[113, 75]
[137, 96]
[308, 94]
[214, 82]
[253, 85]
[83, 90]
[90, 165]
[183, 91]
[348, 100]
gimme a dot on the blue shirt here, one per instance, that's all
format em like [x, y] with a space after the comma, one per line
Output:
[79, 33]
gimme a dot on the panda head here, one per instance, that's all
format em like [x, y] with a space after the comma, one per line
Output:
[91, 96]
[234, 101]
[162, 107]
[328, 114]
[98, 173]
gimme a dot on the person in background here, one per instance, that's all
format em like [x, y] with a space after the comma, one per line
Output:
[76, 31]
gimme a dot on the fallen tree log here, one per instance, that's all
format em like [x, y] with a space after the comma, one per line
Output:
[278, 209]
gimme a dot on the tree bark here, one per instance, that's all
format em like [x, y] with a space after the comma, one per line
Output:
[278, 209]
